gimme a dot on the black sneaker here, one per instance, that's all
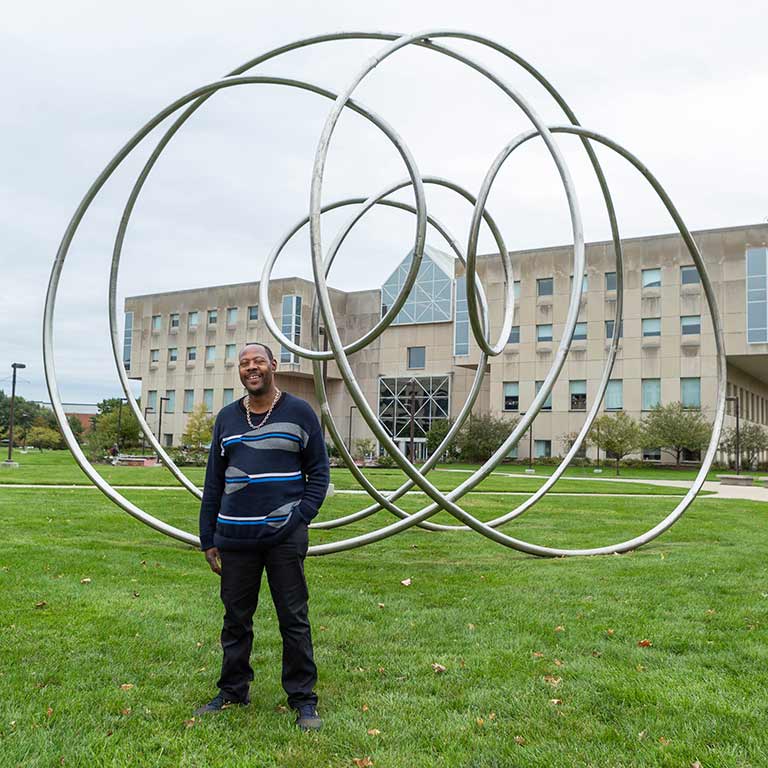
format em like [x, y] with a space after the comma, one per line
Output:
[307, 718]
[218, 704]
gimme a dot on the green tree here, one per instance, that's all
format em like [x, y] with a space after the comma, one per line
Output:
[105, 428]
[619, 433]
[44, 437]
[199, 428]
[77, 427]
[480, 436]
[24, 414]
[674, 429]
[753, 439]
[364, 448]
[437, 432]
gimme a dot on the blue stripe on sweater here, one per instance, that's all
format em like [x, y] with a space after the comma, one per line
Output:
[252, 522]
[254, 438]
[262, 479]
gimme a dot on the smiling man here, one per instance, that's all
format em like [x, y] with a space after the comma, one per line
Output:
[266, 478]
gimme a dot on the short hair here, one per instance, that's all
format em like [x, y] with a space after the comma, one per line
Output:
[270, 356]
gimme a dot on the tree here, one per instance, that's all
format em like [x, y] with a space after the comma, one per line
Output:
[753, 439]
[364, 448]
[24, 414]
[620, 435]
[437, 432]
[77, 427]
[674, 428]
[199, 428]
[44, 437]
[105, 428]
[569, 438]
[481, 436]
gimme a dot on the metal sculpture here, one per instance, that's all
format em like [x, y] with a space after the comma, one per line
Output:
[477, 305]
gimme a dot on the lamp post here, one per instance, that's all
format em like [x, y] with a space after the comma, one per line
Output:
[15, 367]
[597, 469]
[160, 422]
[349, 435]
[735, 400]
[412, 416]
[119, 422]
[147, 409]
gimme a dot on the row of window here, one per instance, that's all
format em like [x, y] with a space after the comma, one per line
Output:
[690, 394]
[193, 318]
[650, 278]
[542, 449]
[189, 400]
[230, 354]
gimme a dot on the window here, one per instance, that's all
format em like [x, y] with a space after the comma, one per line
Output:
[157, 323]
[193, 320]
[213, 316]
[189, 400]
[580, 332]
[584, 284]
[168, 439]
[610, 281]
[548, 402]
[651, 278]
[253, 313]
[511, 396]
[431, 396]
[651, 454]
[191, 354]
[514, 335]
[651, 326]
[417, 357]
[516, 288]
[461, 322]
[208, 400]
[578, 391]
[230, 353]
[173, 354]
[127, 340]
[689, 455]
[614, 395]
[757, 295]
[232, 316]
[609, 329]
[542, 449]
[174, 320]
[651, 393]
[154, 355]
[689, 276]
[512, 452]
[210, 354]
[152, 399]
[690, 324]
[545, 286]
[291, 326]
[690, 392]
[544, 332]
[229, 396]
[170, 400]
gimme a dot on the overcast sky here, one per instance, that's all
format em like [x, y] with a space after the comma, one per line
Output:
[682, 87]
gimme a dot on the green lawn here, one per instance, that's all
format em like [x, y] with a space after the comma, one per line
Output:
[543, 666]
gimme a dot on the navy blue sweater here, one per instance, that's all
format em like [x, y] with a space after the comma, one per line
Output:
[260, 483]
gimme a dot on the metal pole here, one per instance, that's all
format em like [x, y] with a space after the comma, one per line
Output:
[325, 375]
[412, 410]
[738, 440]
[349, 437]
[119, 424]
[598, 446]
[15, 367]
[147, 409]
[160, 423]
[530, 448]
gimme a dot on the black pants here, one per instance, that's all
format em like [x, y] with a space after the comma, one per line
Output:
[240, 581]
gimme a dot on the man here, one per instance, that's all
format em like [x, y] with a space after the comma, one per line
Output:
[266, 478]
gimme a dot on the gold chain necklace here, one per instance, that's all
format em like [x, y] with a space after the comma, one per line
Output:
[246, 401]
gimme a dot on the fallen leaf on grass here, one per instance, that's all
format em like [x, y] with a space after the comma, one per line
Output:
[49, 712]
[471, 627]
[127, 686]
[281, 708]
[41, 604]
[373, 731]
[322, 628]
[555, 701]
[190, 723]
[609, 632]
[538, 655]
[492, 716]
[597, 654]
[552, 680]
[642, 735]
[520, 741]
[126, 711]
[640, 668]
[381, 605]
[381, 670]
[558, 663]
[559, 628]
[664, 742]
[406, 582]
[85, 581]
[695, 764]
[480, 722]
[438, 668]
[364, 708]
[134, 595]
[362, 762]
[710, 612]
[644, 644]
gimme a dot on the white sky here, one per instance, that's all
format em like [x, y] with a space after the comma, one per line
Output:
[681, 84]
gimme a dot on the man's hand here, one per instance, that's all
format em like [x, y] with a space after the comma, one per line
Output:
[214, 560]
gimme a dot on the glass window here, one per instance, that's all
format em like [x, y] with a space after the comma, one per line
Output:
[230, 353]
[193, 320]
[651, 393]
[430, 396]
[578, 390]
[253, 313]
[651, 326]
[610, 281]
[584, 284]
[689, 275]
[690, 392]
[430, 300]
[229, 396]
[210, 353]
[512, 452]
[174, 320]
[690, 324]
[232, 316]
[208, 400]
[127, 340]
[651, 454]
[154, 355]
[516, 288]
[609, 329]
[614, 395]
[213, 316]
[461, 321]
[157, 322]
[191, 354]
[168, 439]
[170, 400]
[152, 399]
[291, 326]
[757, 295]
[542, 449]
[545, 286]
[173, 354]
[417, 357]
[580, 332]
[514, 335]
[511, 396]
[189, 400]
[548, 402]
[544, 332]
[652, 278]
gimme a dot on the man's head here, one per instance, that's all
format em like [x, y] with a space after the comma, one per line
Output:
[257, 366]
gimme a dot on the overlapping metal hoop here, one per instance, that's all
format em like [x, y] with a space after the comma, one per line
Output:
[477, 304]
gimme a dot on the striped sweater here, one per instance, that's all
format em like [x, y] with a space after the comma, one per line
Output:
[260, 483]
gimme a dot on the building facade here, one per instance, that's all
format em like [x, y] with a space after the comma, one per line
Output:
[183, 345]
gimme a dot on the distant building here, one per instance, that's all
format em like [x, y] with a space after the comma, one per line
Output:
[183, 345]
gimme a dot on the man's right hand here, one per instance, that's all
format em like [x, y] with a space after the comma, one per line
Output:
[214, 559]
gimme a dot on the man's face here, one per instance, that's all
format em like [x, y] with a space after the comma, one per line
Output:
[256, 369]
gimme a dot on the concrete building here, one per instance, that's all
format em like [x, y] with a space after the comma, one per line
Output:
[183, 345]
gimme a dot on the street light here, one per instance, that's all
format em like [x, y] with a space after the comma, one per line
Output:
[412, 387]
[119, 422]
[160, 422]
[15, 367]
[349, 438]
[147, 409]
[734, 399]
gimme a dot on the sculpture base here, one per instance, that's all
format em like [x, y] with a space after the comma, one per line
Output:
[9, 465]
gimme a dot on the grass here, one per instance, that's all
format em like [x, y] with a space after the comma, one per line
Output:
[543, 666]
